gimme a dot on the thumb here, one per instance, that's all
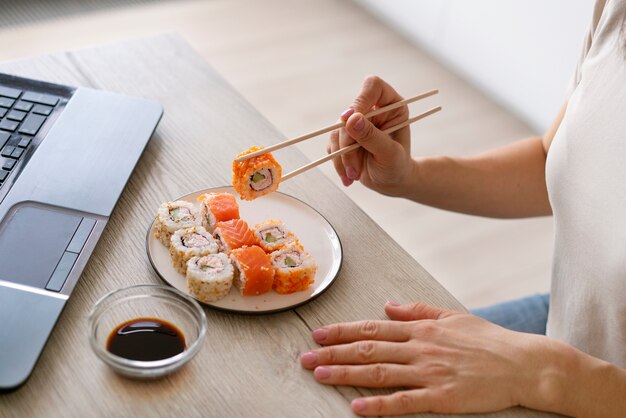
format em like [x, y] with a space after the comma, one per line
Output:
[370, 137]
[415, 312]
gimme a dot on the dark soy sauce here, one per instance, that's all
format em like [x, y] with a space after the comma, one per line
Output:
[146, 339]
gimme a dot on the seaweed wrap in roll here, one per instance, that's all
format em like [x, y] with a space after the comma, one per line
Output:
[173, 216]
[273, 235]
[190, 242]
[256, 176]
[210, 278]
[217, 207]
[254, 274]
[294, 269]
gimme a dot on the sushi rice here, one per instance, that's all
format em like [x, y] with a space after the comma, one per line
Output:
[190, 242]
[173, 216]
[273, 235]
[210, 278]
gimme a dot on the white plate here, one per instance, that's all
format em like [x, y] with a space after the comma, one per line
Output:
[315, 233]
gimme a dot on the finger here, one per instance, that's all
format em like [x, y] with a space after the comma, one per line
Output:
[380, 375]
[371, 138]
[333, 145]
[398, 403]
[415, 312]
[374, 92]
[352, 160]
[360, 352]
[348, 332]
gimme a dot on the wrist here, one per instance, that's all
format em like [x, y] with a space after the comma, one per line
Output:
[410, 180]
[549, 367]
[562, 379]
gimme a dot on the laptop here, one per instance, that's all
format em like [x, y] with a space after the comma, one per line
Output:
[66, 154]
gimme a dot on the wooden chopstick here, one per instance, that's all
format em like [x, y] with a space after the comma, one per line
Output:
[335, 126]
[353, 147]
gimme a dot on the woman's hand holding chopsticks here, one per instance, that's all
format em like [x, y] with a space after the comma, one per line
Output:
[383, 162]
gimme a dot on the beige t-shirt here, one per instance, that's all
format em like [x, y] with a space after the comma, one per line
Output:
[586, 178]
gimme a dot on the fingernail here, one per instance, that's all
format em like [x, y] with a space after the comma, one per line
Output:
[345, 180]
[358, 405]
[322, 372]
[309, 358]
[351, 173]
[320, 334]
[393, 303]
[359, 124]
[346, 113]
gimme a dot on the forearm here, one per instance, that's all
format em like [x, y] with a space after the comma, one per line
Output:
[507, 182]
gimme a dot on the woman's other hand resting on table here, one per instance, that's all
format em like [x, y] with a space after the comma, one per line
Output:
[453, 362]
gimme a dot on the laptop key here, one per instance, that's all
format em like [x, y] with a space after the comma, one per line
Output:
[4, 137]
[42, 110]
[46, 99]
[10, 92]
[6, 102]
[8, 165]
[16, 115]
[9, 125]
[23, 106]
[31, 124]
[3, 112]
[7, 151]
[17, 153]
[3, 175]
[24, 142]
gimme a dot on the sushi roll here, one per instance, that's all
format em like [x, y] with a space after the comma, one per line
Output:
[217, 207]
[254, 274]
[190, 242]
[273, 235]
[294, 269]
[233, 234]
[173, 216]
[210, 278]
[256, 176]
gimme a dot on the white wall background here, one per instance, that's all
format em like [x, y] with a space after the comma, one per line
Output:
[521, 52]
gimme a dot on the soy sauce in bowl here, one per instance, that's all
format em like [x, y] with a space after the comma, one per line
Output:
[146, 339]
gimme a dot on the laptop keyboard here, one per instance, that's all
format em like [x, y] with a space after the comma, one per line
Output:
[22, 115]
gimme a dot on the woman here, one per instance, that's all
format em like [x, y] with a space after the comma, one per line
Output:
[457, 362]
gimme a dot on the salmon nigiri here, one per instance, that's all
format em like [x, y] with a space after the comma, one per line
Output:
[217, 207]
[254, 274]
[234, 234]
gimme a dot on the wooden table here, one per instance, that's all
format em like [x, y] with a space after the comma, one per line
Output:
[249, 364]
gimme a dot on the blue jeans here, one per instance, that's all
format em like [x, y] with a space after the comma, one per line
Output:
[529, 314]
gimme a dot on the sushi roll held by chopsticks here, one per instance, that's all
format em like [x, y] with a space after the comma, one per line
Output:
[257, 176]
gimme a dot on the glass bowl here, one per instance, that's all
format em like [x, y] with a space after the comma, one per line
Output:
[146, 301]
